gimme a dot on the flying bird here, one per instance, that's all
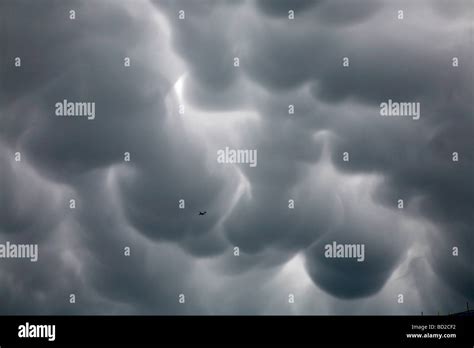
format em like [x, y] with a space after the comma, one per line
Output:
[202, 213]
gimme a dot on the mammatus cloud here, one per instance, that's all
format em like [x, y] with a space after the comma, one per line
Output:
[182, 98]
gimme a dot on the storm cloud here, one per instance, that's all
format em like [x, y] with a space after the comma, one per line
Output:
[181, 100]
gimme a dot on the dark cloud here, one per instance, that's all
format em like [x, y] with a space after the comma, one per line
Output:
[384, 243]
[282, 62]
[389, 63]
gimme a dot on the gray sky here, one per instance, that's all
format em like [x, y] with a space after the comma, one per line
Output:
[173, 156]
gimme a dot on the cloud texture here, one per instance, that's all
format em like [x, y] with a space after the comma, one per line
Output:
[300, 157]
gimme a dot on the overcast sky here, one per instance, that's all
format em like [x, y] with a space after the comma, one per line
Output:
[190, 62]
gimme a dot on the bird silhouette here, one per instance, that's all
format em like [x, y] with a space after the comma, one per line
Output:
[202, 213]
